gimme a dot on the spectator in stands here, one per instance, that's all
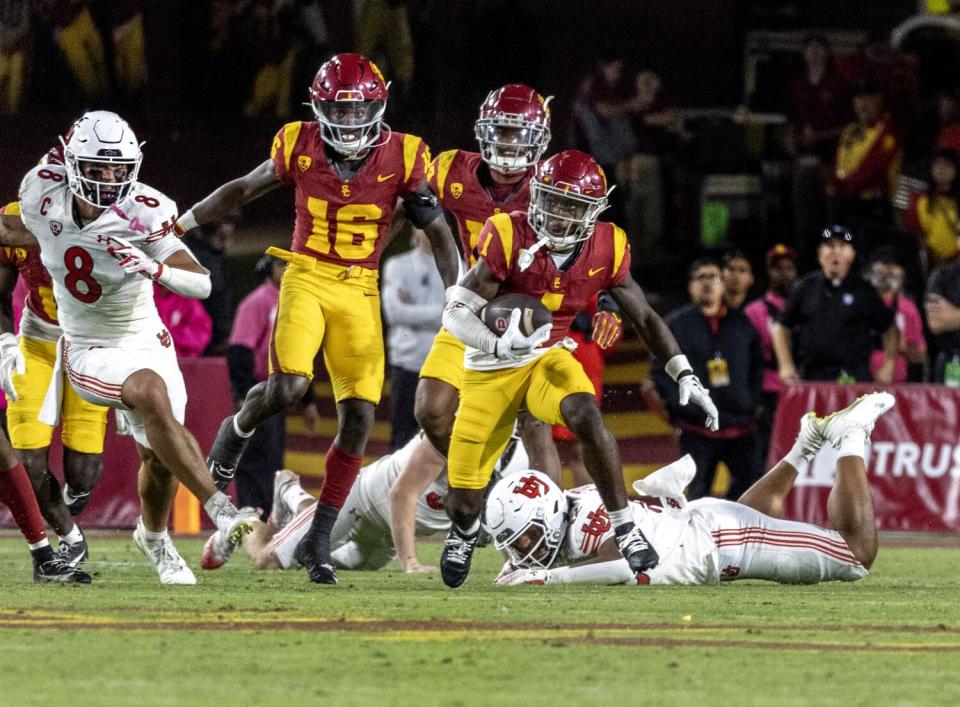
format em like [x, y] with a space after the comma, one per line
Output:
[737, 279]
[247, 358]
[942, 307]
[763, 313]
[886, 274]
[271, 42]
[383, 30]
[868, 162]
[186, 320]
[16, 40]
[208, 243]
[933, 215]
[413, 309]
[948, 114]
[724, 351]
[129, 46]
[818, 106]
[834, 314]
[80, 42]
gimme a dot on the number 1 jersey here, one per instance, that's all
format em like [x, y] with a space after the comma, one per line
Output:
[98, 303]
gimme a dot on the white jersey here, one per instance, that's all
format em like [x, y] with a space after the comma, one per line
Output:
[686, 550]
[98, 303]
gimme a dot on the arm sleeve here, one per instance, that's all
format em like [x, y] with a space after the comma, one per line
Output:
[240, 365]
[460, 318]
[610, 572]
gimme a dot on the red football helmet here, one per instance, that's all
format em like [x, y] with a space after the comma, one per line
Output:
[513, 128]
[348, 96]
[567, 196]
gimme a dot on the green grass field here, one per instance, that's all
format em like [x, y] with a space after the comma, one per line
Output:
[242, 637]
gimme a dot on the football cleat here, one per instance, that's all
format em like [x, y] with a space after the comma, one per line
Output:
[218, 549]
[862, 414]
[456, 557]
[56, 570]
[73, 554]
[317, 571]
[75, 502]
[280, 513]
[225, 454]
[164, 557]
[810, 435]
[637, 550]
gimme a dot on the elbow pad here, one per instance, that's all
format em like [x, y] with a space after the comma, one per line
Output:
[422, 209]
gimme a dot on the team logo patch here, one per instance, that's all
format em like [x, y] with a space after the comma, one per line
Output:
[304, 162]
[556, 282]
[165, 339]
[456, 188]
[56, 227]
[345, 190]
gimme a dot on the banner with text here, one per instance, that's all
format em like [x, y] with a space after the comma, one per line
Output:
[913, 463]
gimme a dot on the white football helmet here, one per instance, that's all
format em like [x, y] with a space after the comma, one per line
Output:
[102, 138]
[526, 515]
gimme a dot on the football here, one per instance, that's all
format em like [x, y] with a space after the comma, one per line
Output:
[533, 314]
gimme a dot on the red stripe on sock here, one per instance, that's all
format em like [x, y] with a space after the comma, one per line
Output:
[17, 493]
[340, 469]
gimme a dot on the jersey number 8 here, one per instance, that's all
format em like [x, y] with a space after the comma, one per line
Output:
[79, 280]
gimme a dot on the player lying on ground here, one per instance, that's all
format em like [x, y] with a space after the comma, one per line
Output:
[560, 254]
[552, 538]
[105, 239]
[390, 505]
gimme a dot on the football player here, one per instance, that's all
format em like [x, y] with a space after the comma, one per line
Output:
[559, 253]
[349, 170]
[552, 538]
[26, 367]
[381, 516]
[105, 238]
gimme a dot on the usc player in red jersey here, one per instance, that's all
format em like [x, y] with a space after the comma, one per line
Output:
[349, 170]
[559, 253]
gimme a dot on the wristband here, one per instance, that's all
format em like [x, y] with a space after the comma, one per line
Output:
[678, 366]
[186, 222]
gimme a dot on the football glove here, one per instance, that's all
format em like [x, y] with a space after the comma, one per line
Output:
[134, 260]
[513, 345]
[692, 389]
[11, 363]
[607, 329]
[522, 576]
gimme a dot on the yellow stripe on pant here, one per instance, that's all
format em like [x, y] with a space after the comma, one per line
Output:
[489, 402]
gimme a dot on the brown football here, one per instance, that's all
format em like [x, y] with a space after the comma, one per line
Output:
[533, 314]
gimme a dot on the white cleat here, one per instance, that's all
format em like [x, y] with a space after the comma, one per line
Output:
[669, 481]
[164, 557]
[216, 552]
[810, 435]
[281, 514]
[862, 414]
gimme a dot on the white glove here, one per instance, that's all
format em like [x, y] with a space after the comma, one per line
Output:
[692, 389]
[134, 260]
[11, 362]
[521, 576]
[513, 345]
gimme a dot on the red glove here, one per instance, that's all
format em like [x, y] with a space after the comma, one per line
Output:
[607, 329]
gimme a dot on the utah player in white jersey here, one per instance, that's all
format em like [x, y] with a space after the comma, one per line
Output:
[105, 239]
[552, 538]
[387, 508]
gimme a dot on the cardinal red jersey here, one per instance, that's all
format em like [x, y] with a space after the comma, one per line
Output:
[345, 221]
[603, 263]
[456, 182]
[40, 289]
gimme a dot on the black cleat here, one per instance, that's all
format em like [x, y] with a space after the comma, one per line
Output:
[225, 454]
[317, 571]
[456, 557]
[56, 570]
[74, 554]
[637, 550]
[76, 502]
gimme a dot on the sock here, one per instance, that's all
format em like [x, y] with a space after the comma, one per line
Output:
[294, 495]
[17, 493]
[622, 520]
[340, 471]
[471, 531]
[74, 536]
[149, 535]
[241, 433]
[318, 536]
[796, 457]
[853, 444]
